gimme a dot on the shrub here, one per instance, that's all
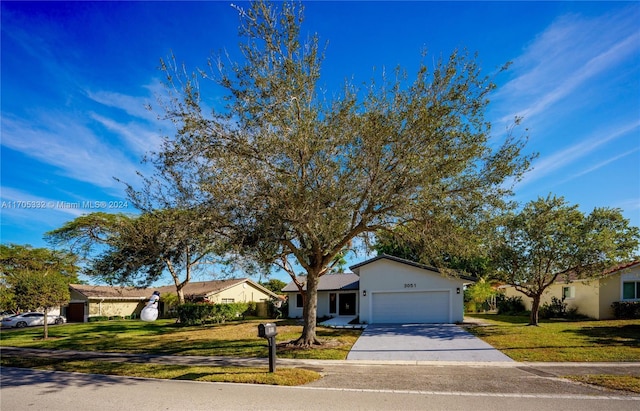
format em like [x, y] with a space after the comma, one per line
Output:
[252, 309]
[511, 306]
[98, 318]
[201, 313]
[274, 311]
[626, 309]
[557, 309]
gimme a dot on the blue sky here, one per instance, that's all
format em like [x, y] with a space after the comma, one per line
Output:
[77, 76]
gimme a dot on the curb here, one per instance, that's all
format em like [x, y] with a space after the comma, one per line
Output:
[202, 360]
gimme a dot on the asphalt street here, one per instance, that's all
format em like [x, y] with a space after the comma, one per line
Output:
[425, 379]
[26, 389]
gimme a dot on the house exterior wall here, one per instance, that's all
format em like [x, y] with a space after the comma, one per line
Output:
[610, 291]
[592, 298]
[239, 293]
[323, 305]
[586, 297]
[111, 308]
[76, 296]
[389, 276]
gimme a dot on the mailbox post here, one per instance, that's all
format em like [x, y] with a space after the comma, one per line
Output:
[269, 332]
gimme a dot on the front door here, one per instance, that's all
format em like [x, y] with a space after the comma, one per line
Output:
[75, 313]
[347, 304]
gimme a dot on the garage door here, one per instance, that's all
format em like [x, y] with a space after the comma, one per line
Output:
[410, 307]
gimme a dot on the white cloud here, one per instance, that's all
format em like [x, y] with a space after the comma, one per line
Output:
[26, 210]
[601, 164]
[554, 162]
[64, 142]
[134, 106]
[136, 136]
[562, 59]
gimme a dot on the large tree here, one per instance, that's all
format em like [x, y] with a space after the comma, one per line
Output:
[38, 290]
[298, 172]
[452, 247]
[138, 250]
[551, 239]
[36, 278]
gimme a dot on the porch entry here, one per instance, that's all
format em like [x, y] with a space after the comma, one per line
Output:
[342, 303]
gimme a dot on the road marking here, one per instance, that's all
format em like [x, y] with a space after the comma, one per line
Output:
[483, 394]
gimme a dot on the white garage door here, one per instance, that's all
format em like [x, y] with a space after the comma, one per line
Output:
[410, 307]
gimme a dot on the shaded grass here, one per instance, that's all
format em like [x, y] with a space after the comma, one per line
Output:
[236, 339]
[249, 375]
[559, 341]
[629, 383]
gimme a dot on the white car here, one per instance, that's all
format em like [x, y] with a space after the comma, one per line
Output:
[29, 319]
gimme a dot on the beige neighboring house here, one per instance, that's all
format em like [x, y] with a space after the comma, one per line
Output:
[102, 300]
[235, 290]
[592, 298]
[97, 300]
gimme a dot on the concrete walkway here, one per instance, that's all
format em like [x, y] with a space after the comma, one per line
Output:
[422, 342]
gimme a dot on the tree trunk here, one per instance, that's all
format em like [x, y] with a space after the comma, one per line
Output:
[46, 323]
[180, 293]
[310, 308]
[535, 308]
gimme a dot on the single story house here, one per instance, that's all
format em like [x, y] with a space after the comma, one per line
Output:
[594, 297]
[101, 300]
[96, 300]
[388, 289]
[337, 296]
[235, 290]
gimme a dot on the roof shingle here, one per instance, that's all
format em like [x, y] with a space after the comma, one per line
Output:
[329, 282]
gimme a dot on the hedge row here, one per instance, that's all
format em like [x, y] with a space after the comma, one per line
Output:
[201, 313]
[626, 309]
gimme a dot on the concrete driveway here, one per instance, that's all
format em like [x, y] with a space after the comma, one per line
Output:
[422, 342]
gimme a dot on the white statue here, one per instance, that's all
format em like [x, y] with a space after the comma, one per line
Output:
[150, 311]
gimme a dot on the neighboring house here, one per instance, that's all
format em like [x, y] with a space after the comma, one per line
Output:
[101, 300]
[236, 290]
[388, 289]
[95, 300]
[592, 298]
[337, 296]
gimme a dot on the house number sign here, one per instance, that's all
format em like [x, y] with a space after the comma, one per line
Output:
[410, 285]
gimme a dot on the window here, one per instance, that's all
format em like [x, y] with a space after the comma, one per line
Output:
[631, 290]
[299, 301]
[568, 292]
[228, 300]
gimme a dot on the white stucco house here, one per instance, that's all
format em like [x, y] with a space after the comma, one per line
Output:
[388, 289]
[337, 296]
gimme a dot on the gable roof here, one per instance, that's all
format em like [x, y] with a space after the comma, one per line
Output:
[109, 292]
[329, 282]
[572, 276]
[209, 288]
[356, 268]
[195, 289]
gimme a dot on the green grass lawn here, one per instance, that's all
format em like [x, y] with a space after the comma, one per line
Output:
[247, 375]
[590, 341]
[235, 339]
[559, 341]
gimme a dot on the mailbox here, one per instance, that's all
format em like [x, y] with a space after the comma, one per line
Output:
[267, 330]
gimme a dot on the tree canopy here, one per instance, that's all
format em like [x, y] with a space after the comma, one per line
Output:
[35, 278]
[295, 173]
[551, 239]
[138, 250]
